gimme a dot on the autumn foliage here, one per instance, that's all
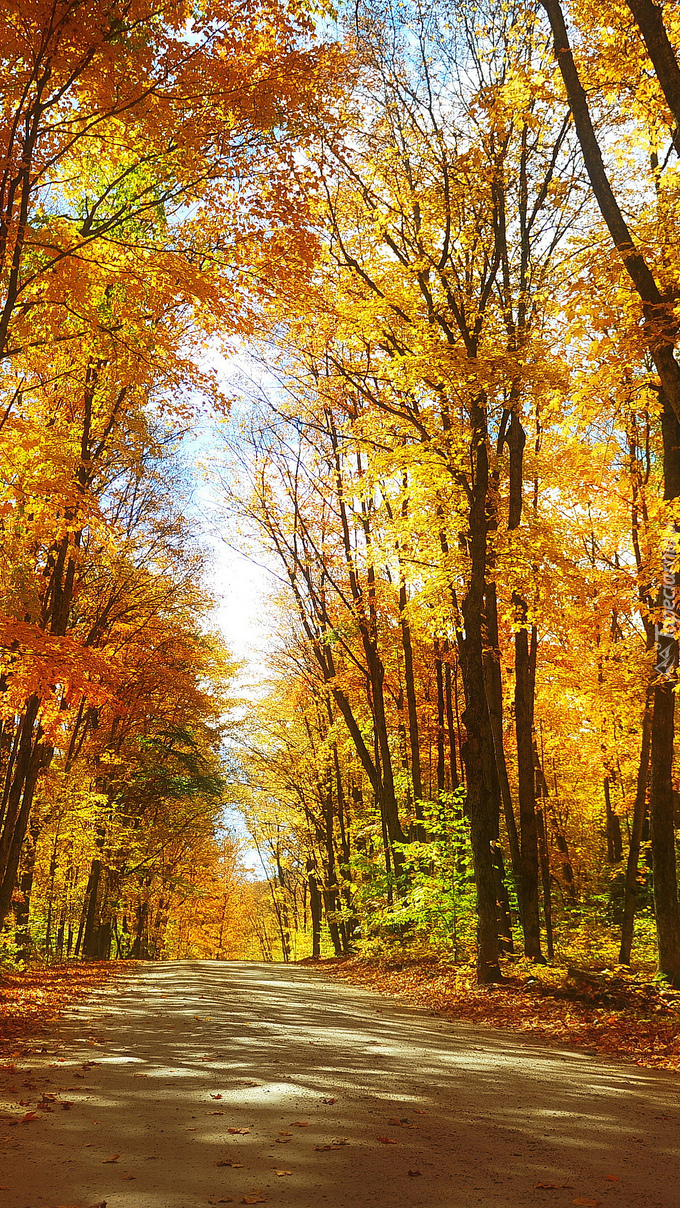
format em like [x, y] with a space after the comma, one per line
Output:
[453, 269]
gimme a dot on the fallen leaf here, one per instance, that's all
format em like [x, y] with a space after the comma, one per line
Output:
[214, 1113]
[585, 1203]
[252, 1199]
[28, 1117]
[113, 1159]
[238, 1131]
[285, 1134]
[282, 1140]
[414, 1173]
[281, 1172]
[215, 1096]
[613, 1178]
[329, 1100]
[299, 1124]
[129, 1176]
[387, 1140]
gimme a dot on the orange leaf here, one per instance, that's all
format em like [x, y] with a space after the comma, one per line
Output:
[387, 1140]
[113, 1159]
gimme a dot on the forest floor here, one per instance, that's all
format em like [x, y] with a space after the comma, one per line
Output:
[187, 1084]
[31, 999]
[613, 1012]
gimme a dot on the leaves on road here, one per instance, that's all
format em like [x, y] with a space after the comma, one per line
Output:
[114, 1158]
[387, 1140]
[30, 999]
[541, 1005]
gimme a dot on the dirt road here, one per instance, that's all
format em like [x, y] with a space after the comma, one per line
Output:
[203, 1083]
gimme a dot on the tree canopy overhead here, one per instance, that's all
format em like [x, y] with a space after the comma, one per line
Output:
[447, 239]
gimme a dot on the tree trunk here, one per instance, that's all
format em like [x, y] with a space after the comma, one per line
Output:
[23, 910]
[613, 826]
[631, 890]
[314, 908]
[480, 768]
[525, 675]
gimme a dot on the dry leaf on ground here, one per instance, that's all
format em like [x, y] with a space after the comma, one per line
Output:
[112, 1159]
[387, 1140]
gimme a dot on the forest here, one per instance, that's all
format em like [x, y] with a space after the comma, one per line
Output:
[436, 247]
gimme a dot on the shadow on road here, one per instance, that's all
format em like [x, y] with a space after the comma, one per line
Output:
[362, 1100]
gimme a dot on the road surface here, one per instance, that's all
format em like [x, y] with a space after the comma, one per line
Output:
[197, 1083]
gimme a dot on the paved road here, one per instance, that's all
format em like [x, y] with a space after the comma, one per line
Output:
[204, 1080]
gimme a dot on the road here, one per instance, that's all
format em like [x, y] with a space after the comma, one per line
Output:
[199, 1083]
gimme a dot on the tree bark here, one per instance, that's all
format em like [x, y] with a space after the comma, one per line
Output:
[525, 675]
[631, 889]
[613, 826]
[478, 751]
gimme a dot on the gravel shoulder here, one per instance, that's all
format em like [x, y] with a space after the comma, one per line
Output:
[195, 1083]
